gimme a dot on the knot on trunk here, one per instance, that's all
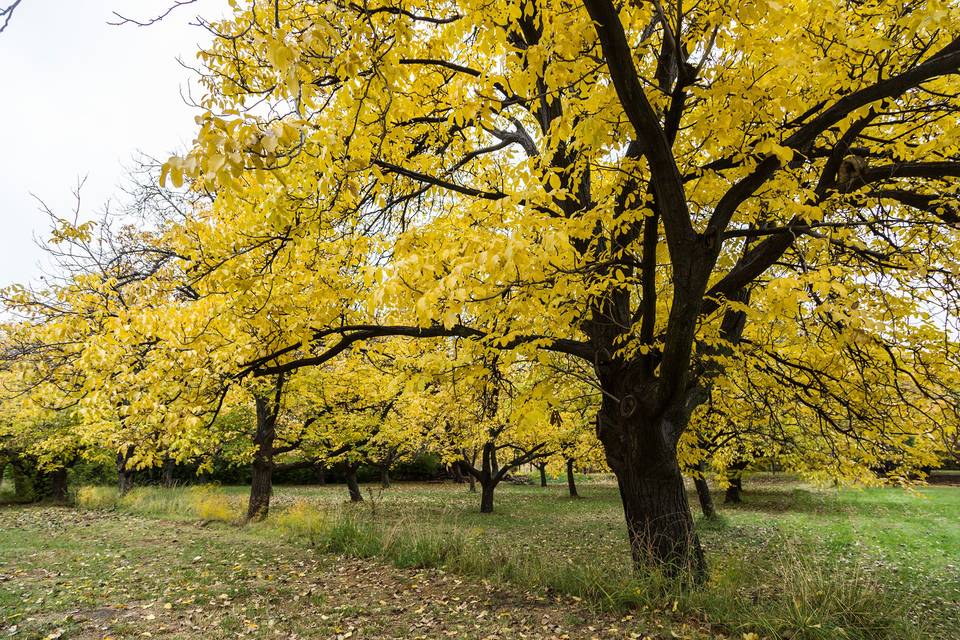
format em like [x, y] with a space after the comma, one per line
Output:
[628, 405]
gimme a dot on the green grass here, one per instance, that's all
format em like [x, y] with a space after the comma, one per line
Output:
[791, 561]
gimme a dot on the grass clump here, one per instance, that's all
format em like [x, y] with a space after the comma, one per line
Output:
[97, 498]
[212, 505]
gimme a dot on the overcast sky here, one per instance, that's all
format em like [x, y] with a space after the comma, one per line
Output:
[80, 98]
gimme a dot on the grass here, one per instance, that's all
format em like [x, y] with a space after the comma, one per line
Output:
[792, 561]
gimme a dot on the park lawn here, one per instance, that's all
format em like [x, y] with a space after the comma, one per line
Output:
[791, 561]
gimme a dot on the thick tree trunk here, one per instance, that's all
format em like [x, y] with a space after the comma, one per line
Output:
[571, 482]
[352, 485]
[58, 485]
[124, 473]
[486, 498]
[543, 474]
[642, 454]
[261, 489]
[261, 481]
[703, 492]
[385, 476]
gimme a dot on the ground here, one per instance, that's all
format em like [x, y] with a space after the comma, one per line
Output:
[543, 566]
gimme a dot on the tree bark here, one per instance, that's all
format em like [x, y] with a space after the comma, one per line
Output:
[166, 478]
[321, 474]
[352, 485]
[703, 492]
[58, 485]
[385, 476]
[488, 477]
[261, 481]
[543, 474]
[571, 482]
[735, 483]
[124, 474]
[457, 473]
[641, 451]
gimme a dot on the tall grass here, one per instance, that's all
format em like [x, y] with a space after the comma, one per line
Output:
[193, 503]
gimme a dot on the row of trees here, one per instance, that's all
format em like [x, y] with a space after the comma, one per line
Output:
[686, 235]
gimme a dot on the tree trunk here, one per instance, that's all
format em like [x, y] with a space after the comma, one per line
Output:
[124, 473]
[488, 477]
[261, 481]
[543, 474]
[385, 476]
[642, 454]
[23, 489]
[352, 485]
[571, 483]
[261, 489]
[58, 485]
[486, 498]
[735, 483]
[703, 492]
[473, 483]
[321, 474]
[166, 478]
[457, 473]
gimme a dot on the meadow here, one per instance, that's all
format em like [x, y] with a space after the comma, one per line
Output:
[791, 561]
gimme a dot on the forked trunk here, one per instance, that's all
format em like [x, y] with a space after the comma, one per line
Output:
[457, 473]
[571, 482]
[703, 492]
[352, 485]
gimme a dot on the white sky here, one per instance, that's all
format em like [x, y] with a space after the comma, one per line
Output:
[80, 98]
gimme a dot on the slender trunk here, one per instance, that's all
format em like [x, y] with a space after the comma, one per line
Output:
[495, 466]
[261, 480]
[352, 485]
[167, 475]
[473, 483]
[457, 473]
[703, 492]
[488, 481]
[543, 474]
[734, 483]
[385, 476]
[321, 474]
[571, 483]
[124, 473]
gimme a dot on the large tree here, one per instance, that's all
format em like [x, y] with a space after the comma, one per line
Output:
[608, 182]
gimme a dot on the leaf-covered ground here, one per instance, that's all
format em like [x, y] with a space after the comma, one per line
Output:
[73, 574]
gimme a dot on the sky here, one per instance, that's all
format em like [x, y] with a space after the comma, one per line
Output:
[81, 98]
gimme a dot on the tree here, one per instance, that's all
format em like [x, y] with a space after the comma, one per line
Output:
[606, 183]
